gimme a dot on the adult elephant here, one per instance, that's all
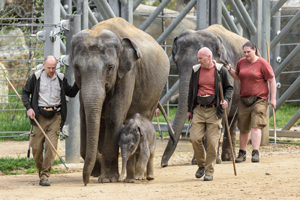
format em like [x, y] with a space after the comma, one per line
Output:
[226, 47]
[120, 71]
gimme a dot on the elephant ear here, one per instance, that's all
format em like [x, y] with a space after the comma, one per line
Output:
[222, 52]
[129, 54]
[174, 49]
[138, 129]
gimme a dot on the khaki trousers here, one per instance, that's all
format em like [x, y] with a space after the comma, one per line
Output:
[204, 119]
[51, 128]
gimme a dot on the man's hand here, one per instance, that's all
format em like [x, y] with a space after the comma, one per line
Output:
[156, 112]
[273, 103]
[189, 116]
[31, 113]
[224, 104]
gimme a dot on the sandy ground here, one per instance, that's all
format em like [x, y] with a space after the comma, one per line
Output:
[276, 176]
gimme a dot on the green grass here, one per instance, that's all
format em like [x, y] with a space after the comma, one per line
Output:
[284, 114]
[15, 166]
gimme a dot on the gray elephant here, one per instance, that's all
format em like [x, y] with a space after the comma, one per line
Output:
[137, 143]
[120, 71]
[226, 47]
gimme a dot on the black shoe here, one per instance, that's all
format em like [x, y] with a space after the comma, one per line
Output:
[241, 157]
[199, 172]
[208, 178]
[255, 156]
[44, 182]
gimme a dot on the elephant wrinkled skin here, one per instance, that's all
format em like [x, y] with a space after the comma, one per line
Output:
[120, 71]
[137, 143]
[227, 47]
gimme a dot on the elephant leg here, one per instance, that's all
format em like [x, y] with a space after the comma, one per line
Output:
[82, 129]
[226, 151]
[130, 168]
[150, 167]
[141, 164]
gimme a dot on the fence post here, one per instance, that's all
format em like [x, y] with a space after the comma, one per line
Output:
[72, 121]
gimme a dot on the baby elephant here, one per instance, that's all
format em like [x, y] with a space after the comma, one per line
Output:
[137, 142]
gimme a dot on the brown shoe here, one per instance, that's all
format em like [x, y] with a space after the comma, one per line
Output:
[241, 157]
[44, 182]
[255, 156]
[199, 172]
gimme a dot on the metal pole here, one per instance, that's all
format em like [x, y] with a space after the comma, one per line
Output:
[215, 12]
[239, 17]
[72, 121]
[63, 13]
[136, 4]
[245, 15]
[229, 20]
[256, 13]
[287, 94]
[68, 6]
[154, 14]
[292, 121]
[127, 11]
[225, 24]
[170, 93]
[202, 14]
[62, 47]
[276, 7]
[177, 20]
[82, 9]
[285, 30]
[92, 17]
[105, 6]
[52, 16]
[287, 61]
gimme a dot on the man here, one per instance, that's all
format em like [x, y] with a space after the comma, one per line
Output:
[205, 107]
[48, 105]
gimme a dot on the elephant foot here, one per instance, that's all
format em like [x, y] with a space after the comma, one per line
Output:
[150, 177]
[129, 180]
[108, 180]
[218, 161]
[226, 157]
[139, 177]
[95, 173]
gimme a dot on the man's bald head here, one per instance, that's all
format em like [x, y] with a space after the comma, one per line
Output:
[50, 65]
[205, 52]
[205, 58]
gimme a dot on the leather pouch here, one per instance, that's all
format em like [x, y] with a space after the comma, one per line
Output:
[206, 100]
[249, 101]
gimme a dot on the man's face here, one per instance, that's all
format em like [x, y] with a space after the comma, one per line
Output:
[203, 60]
[50, 67]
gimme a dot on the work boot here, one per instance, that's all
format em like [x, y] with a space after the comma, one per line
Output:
[241, 157]
[199, 172]
[44, 182]
[255, 156]
[208, 178]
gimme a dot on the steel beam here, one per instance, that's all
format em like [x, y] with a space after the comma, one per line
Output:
[82, 9]
[154, 14]
[285, 133]
[256, 14]
[225, 24]
[286, 94]
[215, 12]
[246, 16]
[177, 20]
[239, 17]
[202, 14]
[285, 30]
[73, 120]
[292, 121]
[229, 20]
[63, 13]
[136, 4]
[276, 7]
[170, 93]
[103, 4]
[68, 4]
[62, 47]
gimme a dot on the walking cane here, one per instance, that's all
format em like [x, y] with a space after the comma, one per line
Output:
[159, 130]
[63, 162]
[226, 122]
[274, 120]
[28, 152]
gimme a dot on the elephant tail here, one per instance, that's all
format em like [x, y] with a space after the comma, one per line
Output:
[171, 131]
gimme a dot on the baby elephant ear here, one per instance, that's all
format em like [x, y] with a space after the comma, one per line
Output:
[139, 131]
[129, 54]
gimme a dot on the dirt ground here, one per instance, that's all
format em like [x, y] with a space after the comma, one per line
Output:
[276, 176]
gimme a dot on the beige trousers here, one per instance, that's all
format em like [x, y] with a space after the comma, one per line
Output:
[51, 128]
[205, 120]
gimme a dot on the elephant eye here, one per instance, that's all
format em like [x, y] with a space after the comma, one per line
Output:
[110, 69]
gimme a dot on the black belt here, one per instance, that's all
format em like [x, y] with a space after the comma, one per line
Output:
[208, 106]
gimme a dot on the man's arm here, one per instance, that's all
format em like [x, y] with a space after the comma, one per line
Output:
[71, 91]
[26, 91]
[227, 86]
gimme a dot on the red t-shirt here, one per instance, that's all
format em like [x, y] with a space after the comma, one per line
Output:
[206, 82]
[254, 77]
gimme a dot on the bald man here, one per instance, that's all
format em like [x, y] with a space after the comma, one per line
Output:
[48, 105]
[205, 108]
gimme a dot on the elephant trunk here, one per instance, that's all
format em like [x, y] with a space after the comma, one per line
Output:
[124, 164]
[93, 102]
[179, 119]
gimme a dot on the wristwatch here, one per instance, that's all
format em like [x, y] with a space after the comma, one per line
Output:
[229, 69]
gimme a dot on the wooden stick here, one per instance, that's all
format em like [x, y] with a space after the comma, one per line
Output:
[227, 126]
[39, 126]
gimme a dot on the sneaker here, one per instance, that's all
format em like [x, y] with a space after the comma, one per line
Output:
[255, 156]
[208, 178]
[199, 172]
[241, 157]
[44, 182]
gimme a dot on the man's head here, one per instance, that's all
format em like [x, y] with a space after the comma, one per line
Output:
[205, 57]
[50, 65]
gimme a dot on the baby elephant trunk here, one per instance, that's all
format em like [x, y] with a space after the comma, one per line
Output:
[124, 164]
